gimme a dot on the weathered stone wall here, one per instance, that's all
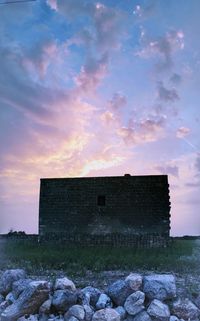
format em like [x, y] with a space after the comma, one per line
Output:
[131, 205]
[114, 240]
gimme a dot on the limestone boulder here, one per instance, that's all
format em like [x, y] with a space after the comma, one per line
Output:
[4, 305]
[158, 311]
[10, 298]
[173, 318]
[185, 309]
[19, 286]
[134, 280]
[7, 279]
[63, 300]
[64, 284]
[76, 311]
[159, 286]
[119, 291]
[89, 311]
[90, 295]
[103, 302]
[135, 303]
[142, 316]
[122, 312]
[72, 318]
[46, 307]
[28, 302]
[107, 314]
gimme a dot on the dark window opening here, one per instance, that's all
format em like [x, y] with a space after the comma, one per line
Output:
[101, 200]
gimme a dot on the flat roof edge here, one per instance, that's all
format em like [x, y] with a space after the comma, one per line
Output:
[98, 177]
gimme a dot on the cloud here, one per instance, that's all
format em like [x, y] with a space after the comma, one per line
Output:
[107, 118]
[40, 56]
[107, 23]
[109, 26]
[193, 185]
[175, 79]
[168, 169]
[52, 4]
[117, 102]
[19, 90]
[72, 9]
[92, 73]
[165, 94]
[164, 47]
[112, 115]
[197, 163]
[144, 12]
[145, 130]
[182, 132]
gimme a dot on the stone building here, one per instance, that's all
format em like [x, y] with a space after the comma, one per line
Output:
[104, 206]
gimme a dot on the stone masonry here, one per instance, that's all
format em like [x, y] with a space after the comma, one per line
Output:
[105, 206]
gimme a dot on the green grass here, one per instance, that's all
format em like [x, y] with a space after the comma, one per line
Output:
[51, 256]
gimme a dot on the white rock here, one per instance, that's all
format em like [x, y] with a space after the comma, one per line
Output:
[158, 310]
[28, 302]
[159, 286]
[121, 311]
[185, 309]
[45, 307]
[3, 306]
[63, 300]
[10, 298]
[142, 316]
[7, 279]
[134, 303]
[19, 286]
[119, 291]
[134, 280]
[76, 311]
[107, 314]
[72, 318]
[88, 312]
[64, 283]
[90, 295]
[173, 318]
[103, 302]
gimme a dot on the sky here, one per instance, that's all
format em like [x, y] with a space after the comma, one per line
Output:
[99, 88]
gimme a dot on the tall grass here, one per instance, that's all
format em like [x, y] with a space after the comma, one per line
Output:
[36, 257]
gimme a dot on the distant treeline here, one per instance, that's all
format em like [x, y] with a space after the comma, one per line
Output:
[186, 237]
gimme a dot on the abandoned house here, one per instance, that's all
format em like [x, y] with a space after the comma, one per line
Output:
[99, 207]
[104, 206]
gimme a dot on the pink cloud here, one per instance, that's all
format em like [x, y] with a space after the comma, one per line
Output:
[92, 73]
[143, 131]
[182, 132]
[167, 95]
[117, 102]
[52, 4]
[168, 169]
[164, 47]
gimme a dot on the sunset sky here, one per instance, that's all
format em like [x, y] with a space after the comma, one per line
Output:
[104, 88]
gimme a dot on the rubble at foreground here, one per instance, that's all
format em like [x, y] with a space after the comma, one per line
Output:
[135, 298]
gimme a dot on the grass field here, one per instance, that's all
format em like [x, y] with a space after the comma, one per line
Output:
[51, 256]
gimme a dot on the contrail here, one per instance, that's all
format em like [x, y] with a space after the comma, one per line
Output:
[16, 1]
[191, 145]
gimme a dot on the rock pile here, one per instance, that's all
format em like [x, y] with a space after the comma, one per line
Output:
[137, 298]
